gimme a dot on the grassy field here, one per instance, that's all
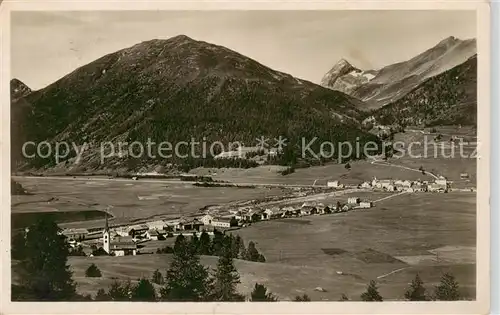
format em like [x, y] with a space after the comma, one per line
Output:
[427, 234]
[126, 200]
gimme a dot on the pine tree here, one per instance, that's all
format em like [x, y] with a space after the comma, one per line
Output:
[180, 239]
[195, 242]
[253, 254]
[120, 291]
[235, 246]
[44, 272]
[226, 277]
[187, 279]
[205, 245]
[371, 293]
[344, 297]
[144, 291]
[157, 277]
[93, 272]
[260, 294]
[102, 296]
[217, 243]
[416, 292]
[447, 290]
[242, 251]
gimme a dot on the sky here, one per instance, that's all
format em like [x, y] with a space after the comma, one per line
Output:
[47, 45]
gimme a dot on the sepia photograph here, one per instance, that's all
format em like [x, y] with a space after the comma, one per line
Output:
[245, 156]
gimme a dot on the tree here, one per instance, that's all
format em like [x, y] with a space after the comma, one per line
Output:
[302, 298]
[226, 277]
[260, 294]
[416, 292]
[235, 245]
[93, 272]
[204, 245]
[180, 239]
[18, 246]
[144, 291]
[347, 166]
[187, 279]
[44, 272]
[252, 253]
[194, 243]
[157, 277]
[447, 290]
[371, 293]
[120, 292]
[102, 296]
[344, 297]
[217, 243]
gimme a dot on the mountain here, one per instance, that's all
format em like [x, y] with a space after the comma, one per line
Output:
[175, 90]
[18, 89]
[381, 87]
[449, 98]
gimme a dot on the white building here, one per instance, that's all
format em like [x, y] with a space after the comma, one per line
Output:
[207, 219]
[441, 181]
[365, 204]
[366, 185]
[221, 222]
[333, 184]
[353, 200]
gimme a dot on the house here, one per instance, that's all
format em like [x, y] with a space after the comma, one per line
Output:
[406, 183]
[138, 229]
[398, 182]
[122, 246]
[192, 224]
[410, 190]
[307, 210]
[353, 200]
[390, 187]
[75, 234]
[346, 208]
[156, 234]
[333, 184]
[366, 185]
[464, 176]
[437, 188]
[207, 219]
[221, 222]
[441, 181]
[366, 204]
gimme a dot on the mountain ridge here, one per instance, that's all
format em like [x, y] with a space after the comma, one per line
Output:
[392, 82]
[180, 88]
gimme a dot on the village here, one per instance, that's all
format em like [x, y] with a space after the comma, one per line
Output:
[121, 240]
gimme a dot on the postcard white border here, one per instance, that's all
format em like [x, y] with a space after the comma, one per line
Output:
[480, 306]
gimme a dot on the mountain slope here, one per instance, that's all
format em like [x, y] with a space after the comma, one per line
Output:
[177, 89]
[381, 87]
[449, 98]
[18, 89]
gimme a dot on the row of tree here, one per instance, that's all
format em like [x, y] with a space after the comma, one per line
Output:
[204, 245]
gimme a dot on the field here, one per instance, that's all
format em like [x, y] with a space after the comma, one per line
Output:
[125, 200]
[407, 234]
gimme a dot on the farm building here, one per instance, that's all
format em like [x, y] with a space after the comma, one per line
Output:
[366, 185]
[333, 184]
[155, 234]
[441, 181]
[221, 222]
[207, 219]
[192, 224]
[366, 204]
[353, 200]
[75, 234]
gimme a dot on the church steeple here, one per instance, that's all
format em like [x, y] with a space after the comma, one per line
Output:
[105, 236]
[106, 226]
